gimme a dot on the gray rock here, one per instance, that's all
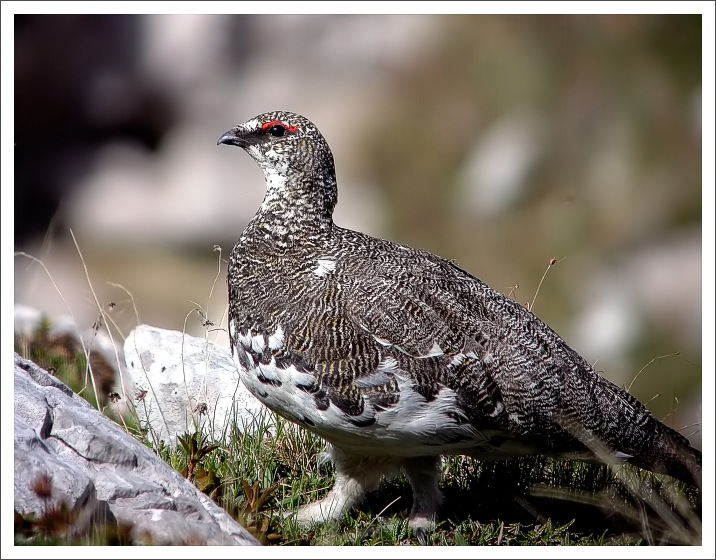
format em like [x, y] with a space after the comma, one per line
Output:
[186, 384]
[99, 470]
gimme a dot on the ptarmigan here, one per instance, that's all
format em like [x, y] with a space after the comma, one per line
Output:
[396, 356]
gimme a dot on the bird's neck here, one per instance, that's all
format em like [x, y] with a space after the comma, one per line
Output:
[297, 206]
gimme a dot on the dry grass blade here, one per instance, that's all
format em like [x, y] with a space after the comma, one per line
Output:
[628, 389]
[552, 262]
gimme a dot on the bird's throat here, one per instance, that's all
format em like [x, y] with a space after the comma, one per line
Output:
[295, 206]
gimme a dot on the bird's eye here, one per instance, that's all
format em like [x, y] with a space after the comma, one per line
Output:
[276, 130]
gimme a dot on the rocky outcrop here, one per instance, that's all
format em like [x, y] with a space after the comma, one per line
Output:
[86, 461]
[180, 383]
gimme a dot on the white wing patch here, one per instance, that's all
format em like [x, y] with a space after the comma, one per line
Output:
[325, 267]
[411, 425]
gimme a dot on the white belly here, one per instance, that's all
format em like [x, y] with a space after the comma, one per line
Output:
[412, 427]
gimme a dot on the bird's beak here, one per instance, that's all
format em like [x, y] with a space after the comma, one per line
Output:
[234, 138]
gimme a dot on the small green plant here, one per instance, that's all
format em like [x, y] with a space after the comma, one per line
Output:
[196, 448]
[254, 514]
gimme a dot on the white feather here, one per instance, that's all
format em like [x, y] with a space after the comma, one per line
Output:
[325, 267]
[375, 379]
[457, 360]
[379, 340]
[245, 340]
[275, 341]
[258, 343]
[434, 351]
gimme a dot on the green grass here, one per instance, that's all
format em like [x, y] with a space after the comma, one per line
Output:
[262, 474]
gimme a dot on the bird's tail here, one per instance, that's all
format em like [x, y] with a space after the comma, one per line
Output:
[671, 454]
[621, 427]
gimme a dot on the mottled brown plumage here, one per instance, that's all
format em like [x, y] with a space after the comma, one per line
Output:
[396, 356]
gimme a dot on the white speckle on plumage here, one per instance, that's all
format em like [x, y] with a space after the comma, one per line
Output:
[348, 359]
[325, 266]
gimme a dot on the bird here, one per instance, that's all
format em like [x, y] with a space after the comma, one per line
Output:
[395, 356]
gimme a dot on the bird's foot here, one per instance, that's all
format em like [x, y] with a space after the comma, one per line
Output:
[422, 525]
[319, 511]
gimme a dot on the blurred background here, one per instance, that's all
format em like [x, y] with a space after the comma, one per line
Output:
[498, 141]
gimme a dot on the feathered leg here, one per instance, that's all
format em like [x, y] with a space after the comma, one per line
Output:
[354, 477]
[423, 474]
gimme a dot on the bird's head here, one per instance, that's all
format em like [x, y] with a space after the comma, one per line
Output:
[281, 142]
